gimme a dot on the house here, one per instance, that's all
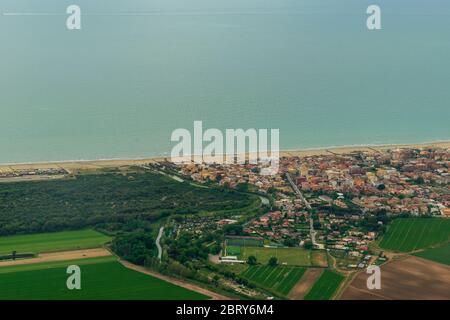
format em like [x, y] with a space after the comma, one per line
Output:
[445, 212]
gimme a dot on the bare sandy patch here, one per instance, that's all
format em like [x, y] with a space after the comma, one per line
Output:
[319, 259]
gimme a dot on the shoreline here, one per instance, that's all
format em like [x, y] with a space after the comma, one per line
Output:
[120, 162]
[367, 147]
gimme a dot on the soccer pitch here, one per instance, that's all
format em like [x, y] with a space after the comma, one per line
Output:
[280, 279]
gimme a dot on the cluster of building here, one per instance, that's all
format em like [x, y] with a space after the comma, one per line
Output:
[400, 180]
[341, 188]
[202, 224]
[10, 173]
[232, 175]
[397, 181]
[289, 228]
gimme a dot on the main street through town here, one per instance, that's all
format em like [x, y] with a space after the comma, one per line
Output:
[308, 206]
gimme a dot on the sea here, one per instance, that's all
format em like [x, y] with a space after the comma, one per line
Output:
[139, 69]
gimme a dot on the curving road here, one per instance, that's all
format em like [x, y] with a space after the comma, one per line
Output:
[158, 245]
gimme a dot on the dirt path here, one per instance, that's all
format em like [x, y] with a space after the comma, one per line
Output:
[214, 258]
[319, 258]
[177, 282]
[304, 285]
[59, 256]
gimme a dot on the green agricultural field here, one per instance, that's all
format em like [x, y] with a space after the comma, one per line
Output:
[102, 280]
[411, 234]
[290, 256]
[55, 264]
[439, 254]
[326, 286]
[280, 279]
[57, 241]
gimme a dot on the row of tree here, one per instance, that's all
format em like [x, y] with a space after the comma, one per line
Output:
[273, 261]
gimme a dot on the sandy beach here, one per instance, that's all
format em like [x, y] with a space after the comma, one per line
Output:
[73, 166]
[368, 148]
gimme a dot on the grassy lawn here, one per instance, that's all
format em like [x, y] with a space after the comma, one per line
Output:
[439, 254]
[280, 279]
[325, 287]
[101, 279]
[236, 268]
[411, 234]
[233, 250]
[290, 256]
[57, 241]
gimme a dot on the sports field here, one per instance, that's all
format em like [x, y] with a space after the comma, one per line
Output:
[244, 242]
[56, 241]
[233, 250]
[411, 234]
[101, 279]
[439, 254]
[325, 287]
[290, 256]
[280, 279]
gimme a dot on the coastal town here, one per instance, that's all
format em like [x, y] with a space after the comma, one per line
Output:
[346, 199]
[324, 218]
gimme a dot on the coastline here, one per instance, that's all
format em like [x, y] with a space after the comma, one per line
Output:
[368, 148]
[73, 165]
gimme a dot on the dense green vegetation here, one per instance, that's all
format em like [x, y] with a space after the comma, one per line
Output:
[439, 254]
[129, 207]
[326, 286]
[411, 234]
[125, 205]
[280, 279]
[111, 201]
[137, 247]
[57, 241]
[187, 248]
[100, 281]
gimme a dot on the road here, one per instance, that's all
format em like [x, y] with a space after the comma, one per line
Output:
[297, 191]
[178, 282]
[174, 177]
[158, 245]
[59, 256]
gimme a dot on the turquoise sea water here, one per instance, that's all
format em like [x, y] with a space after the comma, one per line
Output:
[139, 69]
